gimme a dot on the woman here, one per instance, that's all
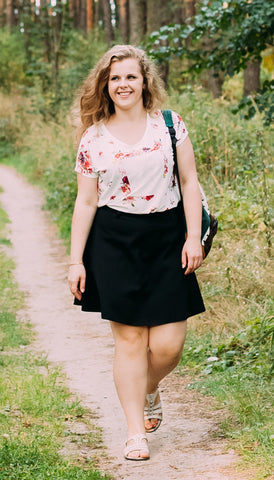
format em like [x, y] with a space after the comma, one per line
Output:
[129, 258]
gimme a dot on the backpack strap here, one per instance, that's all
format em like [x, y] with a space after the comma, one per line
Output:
[167, 114]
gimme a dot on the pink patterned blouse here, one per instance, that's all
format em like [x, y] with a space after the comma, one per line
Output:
[133, 178]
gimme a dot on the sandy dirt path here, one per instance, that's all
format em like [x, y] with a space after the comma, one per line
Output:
[188, 445]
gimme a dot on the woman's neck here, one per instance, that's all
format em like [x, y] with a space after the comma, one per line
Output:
[128, 127]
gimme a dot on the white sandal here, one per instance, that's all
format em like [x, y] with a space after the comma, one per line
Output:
[137, 444]
[153, 411]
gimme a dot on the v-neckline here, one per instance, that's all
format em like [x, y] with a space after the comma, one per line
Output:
[125, 143]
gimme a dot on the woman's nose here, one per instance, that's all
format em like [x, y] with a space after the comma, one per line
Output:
[123, 81]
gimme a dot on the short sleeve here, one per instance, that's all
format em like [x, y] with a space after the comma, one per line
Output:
[180, 128]
[84, 163]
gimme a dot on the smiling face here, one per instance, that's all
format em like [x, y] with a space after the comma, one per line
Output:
[125, 84]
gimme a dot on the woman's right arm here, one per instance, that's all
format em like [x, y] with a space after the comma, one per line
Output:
[84, 212]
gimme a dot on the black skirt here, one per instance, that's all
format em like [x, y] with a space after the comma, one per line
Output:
[134, 272]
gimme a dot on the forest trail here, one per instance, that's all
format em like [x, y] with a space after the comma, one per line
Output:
[188, 445]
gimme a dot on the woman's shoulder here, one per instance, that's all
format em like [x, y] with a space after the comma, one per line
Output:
[92, 133]
[158, 116]
[158, 120]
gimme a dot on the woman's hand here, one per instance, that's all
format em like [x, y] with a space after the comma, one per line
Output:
[77, 280]
[192, 255]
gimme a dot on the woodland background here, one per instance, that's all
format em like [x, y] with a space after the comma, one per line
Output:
[222, 38]
[217, 61]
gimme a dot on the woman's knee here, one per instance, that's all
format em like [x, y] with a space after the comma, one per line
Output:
[169, 354]
[129, 337]
[168, 342]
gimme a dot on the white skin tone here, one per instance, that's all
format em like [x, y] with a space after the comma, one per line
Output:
[137, 370]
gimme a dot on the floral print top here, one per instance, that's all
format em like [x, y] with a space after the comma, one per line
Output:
[133, 178]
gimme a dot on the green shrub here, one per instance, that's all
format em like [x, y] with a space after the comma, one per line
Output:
[12, 60]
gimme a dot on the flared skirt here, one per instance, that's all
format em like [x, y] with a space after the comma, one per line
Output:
[134, 271]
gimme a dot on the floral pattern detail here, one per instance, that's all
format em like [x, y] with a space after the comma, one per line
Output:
[84, 161]
[139, 178]
[125, 185]
[123, 156]
[165, 167]
[148, 197]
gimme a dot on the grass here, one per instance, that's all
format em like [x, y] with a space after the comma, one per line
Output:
[38, 415]
[248, 395]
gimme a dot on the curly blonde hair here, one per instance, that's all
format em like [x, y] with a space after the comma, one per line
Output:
[95, 102]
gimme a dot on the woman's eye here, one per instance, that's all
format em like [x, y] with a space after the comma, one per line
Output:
[114, 78]
[131, 76]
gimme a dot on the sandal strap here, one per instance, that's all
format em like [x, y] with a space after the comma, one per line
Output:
[151, 397]
[137, 444]
[154, 412]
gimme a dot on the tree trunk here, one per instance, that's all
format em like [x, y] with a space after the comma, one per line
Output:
[109, 32]
[76, 7]
[189, 13]
[27, 20]
[9, 13]
[70, 11]
[190, 10]
[83, 15]
[75, 10]
[90, 16]
[16, 12]
[97, 9]
[252, 77]
[57, 30]
[2, 13]
[137, 21]
[45, 30]
[214, 77]
[123, 19]
[215, 83]
[158, 14]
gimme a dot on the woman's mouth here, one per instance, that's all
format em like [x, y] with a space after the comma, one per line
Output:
[124, 94]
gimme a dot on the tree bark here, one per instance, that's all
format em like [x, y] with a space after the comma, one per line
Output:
[124, 19]
[190, 10]
[137, 21]
[83, 15]
[27, 20]
[90, 15]
[57, 31]
[45, 30]
[16, 12]
[109, 32]
[74, 12]
[188, 14]
[2, 13]
[252, 77]
[215, 83]
[9, 13]
[158, 14]
[214, 77]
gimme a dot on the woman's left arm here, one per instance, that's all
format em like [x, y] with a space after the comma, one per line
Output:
[192, 256]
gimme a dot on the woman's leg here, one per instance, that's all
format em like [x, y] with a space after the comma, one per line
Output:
[130, 375]
[166, 343]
